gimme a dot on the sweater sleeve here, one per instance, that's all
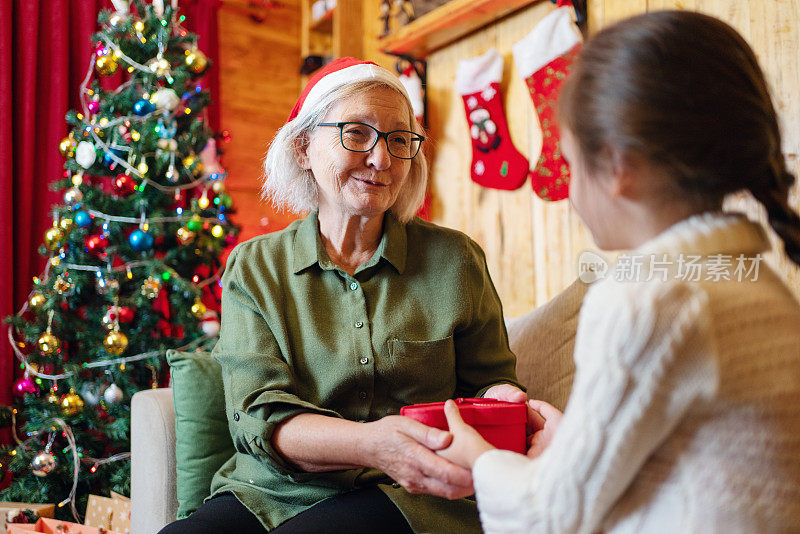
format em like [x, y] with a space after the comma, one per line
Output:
[258, 381]
[644, 356]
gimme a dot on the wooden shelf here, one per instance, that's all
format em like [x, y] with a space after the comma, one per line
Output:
[447, 23]
[324, 24]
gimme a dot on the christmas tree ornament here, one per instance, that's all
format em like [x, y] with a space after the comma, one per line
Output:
[25, 385]
[52, 397]
[151, 287]
[185, 235]
[143, 107]
[224, 200]
[496, 163]
[93, 106]
[106, 65]
[113, 394]
[71, 403]
[140, 240]
[68, 145]
[48, 344]
[96, 245]
[115, 342]
[36, 300]
[544, 58]
[195, 224]
[82, 219]
[196, 60]
[218, 186]
[62, 284]
[210, 324]
[160, 67]
[66, 224]
[124, 185]
[166, 130]
[89, 394]
[53, 238]
[165, 99]
[217, 231]
[73, 196]
[198, 309]
[106, 283]
[43, 464]
[85, 154]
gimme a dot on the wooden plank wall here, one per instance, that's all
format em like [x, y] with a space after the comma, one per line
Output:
[259, 80]
[532, 246]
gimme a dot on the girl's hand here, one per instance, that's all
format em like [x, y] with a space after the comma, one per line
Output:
[545, 419]
[403, 449]
[467, 444]
[505, 392]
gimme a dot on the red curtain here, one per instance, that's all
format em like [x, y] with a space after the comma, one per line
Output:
[44, 55]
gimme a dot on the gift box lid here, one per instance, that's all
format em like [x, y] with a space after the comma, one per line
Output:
[475, 412]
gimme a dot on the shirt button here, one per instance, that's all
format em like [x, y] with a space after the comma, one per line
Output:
[236, 417]
[362, 395]
[353, 286]
[364, 360]
[359, 324]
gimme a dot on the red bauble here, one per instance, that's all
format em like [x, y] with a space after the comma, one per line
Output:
[124, 185]
[25, 385]
[96, 244]
[125, 314]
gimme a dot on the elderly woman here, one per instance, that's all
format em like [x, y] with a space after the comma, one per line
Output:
[330, 326]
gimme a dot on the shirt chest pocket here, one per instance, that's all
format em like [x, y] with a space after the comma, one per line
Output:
[421, 371]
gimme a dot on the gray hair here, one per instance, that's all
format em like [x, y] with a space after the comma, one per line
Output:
[287, 185]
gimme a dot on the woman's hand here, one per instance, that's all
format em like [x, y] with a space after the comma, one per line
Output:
[505, 392]
[545, 422]
[403, 449]
[467, 444]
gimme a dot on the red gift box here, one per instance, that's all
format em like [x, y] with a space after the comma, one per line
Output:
[500, 423]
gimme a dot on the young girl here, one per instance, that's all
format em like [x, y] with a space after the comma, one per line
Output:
[685, 410]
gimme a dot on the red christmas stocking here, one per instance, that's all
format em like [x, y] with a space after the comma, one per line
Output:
[496, 162]
[544, 58]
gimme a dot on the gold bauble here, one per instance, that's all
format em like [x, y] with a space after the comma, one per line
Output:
[199, 309]
[185, 235]
[48, 344]
[106, 65]
[218, 186]
[71, 403]
[63, 285]
[196, 60]
[66, 224]
[160, 67]
[53, 238]
[67, 146]
[151, 287]
[36, 300]
[115, 343]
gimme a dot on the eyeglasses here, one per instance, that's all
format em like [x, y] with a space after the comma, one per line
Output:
[360, 137]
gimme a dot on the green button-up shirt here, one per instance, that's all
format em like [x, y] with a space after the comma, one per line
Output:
[419, 322]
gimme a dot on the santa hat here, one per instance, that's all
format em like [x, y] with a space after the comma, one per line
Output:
[341, 72]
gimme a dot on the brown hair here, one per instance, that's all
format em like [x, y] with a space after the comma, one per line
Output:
[684, 91]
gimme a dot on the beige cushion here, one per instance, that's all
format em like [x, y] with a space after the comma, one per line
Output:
[544, 340]
[154, 501]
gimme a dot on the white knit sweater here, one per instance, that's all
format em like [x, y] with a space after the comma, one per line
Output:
[685, 411]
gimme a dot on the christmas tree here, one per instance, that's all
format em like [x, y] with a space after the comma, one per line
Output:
[134, 260]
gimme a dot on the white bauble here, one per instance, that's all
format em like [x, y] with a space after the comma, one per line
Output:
[165, 99]
[210, 324]
[85, 154]
[113, 394]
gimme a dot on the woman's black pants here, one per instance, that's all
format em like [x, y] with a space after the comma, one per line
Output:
[365, 511]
